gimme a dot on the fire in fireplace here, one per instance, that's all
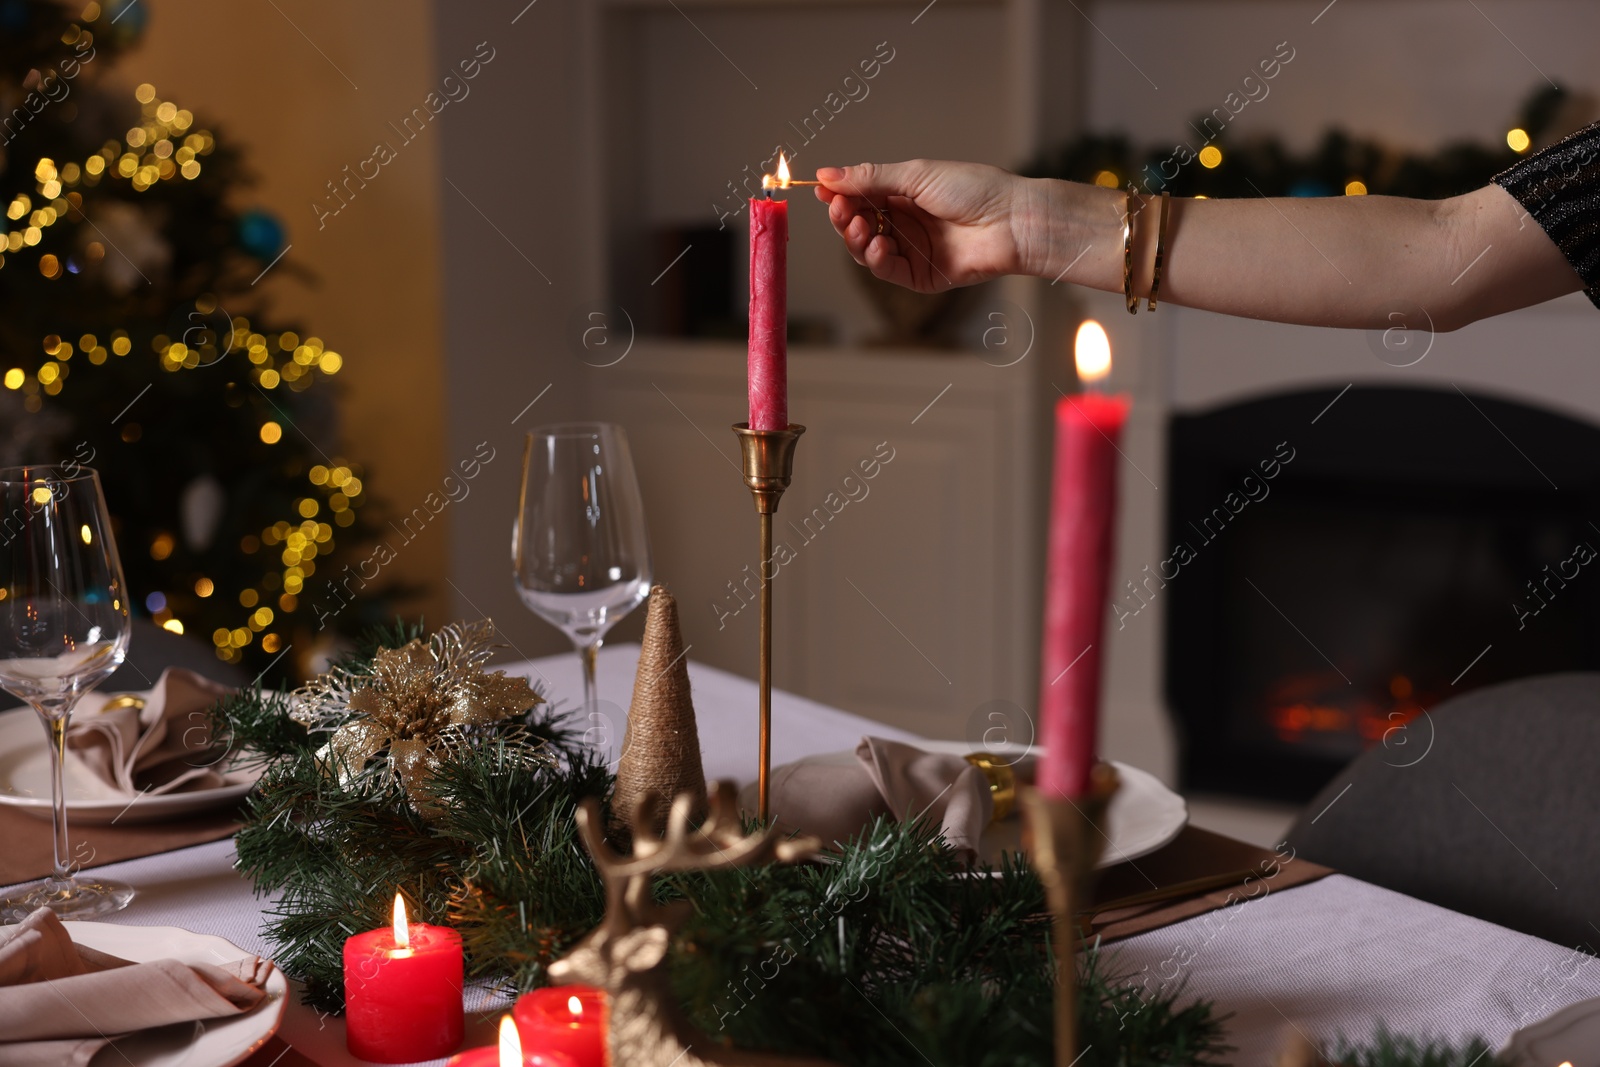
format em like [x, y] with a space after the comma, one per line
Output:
[1416, 544]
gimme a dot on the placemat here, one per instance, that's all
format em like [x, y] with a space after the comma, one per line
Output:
[277, 1053]
[27, 854]
[1217, 870]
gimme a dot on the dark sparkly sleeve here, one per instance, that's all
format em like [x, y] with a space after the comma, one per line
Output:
[1560, 188]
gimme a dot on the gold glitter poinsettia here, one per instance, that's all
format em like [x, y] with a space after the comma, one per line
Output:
[413, 702]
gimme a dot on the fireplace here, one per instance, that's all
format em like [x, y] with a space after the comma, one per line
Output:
[1343, 560]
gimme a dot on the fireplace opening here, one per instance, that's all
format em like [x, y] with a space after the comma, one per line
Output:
[1342, 561]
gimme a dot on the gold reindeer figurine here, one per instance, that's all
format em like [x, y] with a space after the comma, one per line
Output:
[623, 954]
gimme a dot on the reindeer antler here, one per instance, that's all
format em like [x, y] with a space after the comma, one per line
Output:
[624, 954]
[719, 843]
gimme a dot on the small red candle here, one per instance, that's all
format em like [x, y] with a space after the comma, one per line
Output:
[1078, 568]
[769, 310]
[569, 1019]
[509, 1053]
[402, 991]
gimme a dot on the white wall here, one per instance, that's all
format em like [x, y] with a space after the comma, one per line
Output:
[1416, 73]
[702, 122]
[510, 239]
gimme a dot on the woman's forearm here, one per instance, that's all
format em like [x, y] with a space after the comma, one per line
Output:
[1339, 261]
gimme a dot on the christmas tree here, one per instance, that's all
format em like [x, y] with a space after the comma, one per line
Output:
[134, 339]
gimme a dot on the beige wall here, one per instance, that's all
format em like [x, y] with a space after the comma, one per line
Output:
[521, 264]
[305, 89]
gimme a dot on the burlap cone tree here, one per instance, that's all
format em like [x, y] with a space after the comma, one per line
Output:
[661, 749]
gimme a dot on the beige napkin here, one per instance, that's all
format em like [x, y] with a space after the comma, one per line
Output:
[61, 1003]
[163, 747]
[835, 797]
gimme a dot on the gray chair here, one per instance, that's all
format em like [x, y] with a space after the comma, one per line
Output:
[1489, 805]
[152, 650]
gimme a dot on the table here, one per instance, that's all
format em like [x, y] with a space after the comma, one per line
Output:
[1332, 956]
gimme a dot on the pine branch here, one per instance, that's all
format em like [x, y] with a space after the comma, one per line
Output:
[1386, 1049]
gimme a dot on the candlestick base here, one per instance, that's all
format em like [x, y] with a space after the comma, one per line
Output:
[768, 465]
[1067, 838]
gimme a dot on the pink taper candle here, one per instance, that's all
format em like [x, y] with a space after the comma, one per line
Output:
[1078, 567]
[769, 314]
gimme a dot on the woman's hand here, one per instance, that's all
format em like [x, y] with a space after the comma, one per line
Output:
[929, 225]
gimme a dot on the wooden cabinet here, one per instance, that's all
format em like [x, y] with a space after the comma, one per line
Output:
[907, 586]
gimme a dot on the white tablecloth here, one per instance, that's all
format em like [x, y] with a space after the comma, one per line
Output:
[1330, 957]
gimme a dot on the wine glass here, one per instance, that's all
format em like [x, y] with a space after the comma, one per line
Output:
[63, 630]
[579, 547]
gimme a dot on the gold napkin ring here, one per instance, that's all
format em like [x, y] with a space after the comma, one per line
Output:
[1002, 782]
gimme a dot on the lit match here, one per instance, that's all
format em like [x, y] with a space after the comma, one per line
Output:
[781, 180]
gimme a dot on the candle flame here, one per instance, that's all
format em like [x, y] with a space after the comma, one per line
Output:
[402, 928]
[781, 179]
[575, 1006]
[1092, 351]
[510, 1043]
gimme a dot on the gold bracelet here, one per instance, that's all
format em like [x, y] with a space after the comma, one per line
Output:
[1161, 249]
[1127, 256]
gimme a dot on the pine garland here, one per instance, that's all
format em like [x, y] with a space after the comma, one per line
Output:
[892, 956]
[1392, 1050]
[1267, 166]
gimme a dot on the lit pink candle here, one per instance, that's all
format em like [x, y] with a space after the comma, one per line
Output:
[1078, 567]
[769, 312]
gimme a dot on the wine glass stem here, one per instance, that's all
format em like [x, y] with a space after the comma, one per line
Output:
[590, 654]
[56, 727]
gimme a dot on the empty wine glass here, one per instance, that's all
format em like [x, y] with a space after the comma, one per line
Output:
[63, 631]
[579, 547]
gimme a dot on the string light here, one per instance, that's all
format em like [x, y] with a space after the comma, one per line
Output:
[161, 148]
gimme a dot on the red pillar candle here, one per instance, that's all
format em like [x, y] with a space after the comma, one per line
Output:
[565, 1019]
[769, 314]
[1077, 576]
[508, 1053]
[402, 992]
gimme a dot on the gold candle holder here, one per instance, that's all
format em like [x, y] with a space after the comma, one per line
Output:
[1068, 836]
[768, 462]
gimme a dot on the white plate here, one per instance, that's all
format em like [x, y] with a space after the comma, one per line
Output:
[25, 782]
[208, 1043]
[1144, 814]
[1571, 1035]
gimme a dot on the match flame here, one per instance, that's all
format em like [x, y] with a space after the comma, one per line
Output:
[781, 181]
[510, 1043]
[575, 1006]
[1092, 352]
[402, 928]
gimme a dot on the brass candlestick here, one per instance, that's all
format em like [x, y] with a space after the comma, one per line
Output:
[768, 464]
[1068, 836]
